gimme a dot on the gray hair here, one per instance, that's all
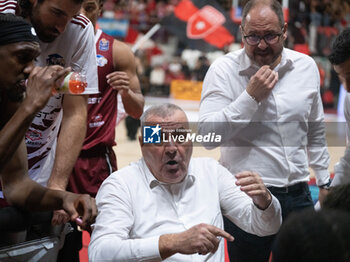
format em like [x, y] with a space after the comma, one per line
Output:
[273, 4]
[162, 110]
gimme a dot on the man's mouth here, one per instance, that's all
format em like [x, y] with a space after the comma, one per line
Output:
[21, 86]
[16, 92]
[172, 166]
[48, 36]
[263, 53]
[54, 34]
[172, 162]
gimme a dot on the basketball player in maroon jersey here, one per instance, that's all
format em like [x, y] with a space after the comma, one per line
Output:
[116, 74]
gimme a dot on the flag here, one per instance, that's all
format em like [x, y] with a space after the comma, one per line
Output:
[201, 24]
[114, 27]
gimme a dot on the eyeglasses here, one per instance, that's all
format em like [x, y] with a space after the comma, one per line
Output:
[270, 39]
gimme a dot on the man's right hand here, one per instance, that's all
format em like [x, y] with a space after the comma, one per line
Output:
[40, 83]
[80, 205]
[202, 239]
[261, 84]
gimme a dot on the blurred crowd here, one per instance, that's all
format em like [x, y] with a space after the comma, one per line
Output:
[313, 25]
[314, 21]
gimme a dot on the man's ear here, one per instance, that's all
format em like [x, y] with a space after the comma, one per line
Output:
[140, 141]
[285, 31]
[33, 2]
[100, 9]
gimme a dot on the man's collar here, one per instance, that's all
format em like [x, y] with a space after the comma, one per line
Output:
[153, 182]
[248, 68]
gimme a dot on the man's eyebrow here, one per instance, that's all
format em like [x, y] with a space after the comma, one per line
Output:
[24, 52]
[57, 10]
[265, 32]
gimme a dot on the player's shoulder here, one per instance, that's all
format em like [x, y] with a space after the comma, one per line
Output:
[79, 21]
[121, 46]
[8, 6]
[122, 52]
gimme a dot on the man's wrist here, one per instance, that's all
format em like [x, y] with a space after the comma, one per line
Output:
[265, 203]
[56, 187]
[165, 246]
[253, 98]
[29, 108]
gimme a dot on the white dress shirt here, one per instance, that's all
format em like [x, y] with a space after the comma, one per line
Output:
[342, 168]
[280, 137]
[135, 209]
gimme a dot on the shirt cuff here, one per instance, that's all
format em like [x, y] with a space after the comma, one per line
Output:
[252, 97]
[275, 204]
[322, 176]
[340, 175]
[246, 105]
[271, 217]
[149, 249]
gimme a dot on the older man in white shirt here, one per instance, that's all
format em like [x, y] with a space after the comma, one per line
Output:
[169, 206]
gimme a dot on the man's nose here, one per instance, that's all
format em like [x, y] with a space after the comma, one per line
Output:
[171, 149]
[262, 44]
[60, 27]
[29, 67]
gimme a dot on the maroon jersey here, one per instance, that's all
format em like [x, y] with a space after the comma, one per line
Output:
[102, 107]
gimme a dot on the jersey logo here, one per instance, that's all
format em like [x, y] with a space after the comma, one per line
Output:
[55, 59]
[96, 121]
[103, 44]
[94, 100]
[101, 60]
[33, 135]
